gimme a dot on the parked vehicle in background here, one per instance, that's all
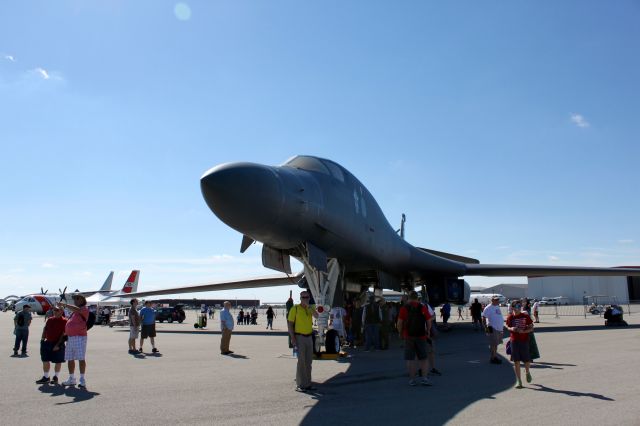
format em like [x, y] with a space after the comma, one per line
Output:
[171, 314]
[560, 300]
[485, 298]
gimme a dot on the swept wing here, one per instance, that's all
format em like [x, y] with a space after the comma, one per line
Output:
[268, 281]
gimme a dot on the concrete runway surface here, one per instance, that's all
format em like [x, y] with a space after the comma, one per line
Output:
[586, 375]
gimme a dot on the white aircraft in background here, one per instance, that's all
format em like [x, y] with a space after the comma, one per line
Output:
[41, 302]
[113, 297]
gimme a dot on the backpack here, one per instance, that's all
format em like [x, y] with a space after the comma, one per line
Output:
[416, 322]
[20, 320]
[91, 320]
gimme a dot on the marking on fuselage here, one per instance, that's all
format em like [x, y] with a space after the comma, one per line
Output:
[363, 206]
[357, 202]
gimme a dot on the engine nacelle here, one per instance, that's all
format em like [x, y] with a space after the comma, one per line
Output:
[452, 290]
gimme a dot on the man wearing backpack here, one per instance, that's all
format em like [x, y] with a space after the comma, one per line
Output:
[21, 323]
[414, 325]
[76, 331]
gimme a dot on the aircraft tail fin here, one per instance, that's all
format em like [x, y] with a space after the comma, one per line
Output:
[450, 256]
[131, 285]
[107, 283]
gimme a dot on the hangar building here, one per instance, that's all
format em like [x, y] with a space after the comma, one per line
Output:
[620, 289]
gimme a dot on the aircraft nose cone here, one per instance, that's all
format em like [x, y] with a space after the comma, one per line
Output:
[245, 196]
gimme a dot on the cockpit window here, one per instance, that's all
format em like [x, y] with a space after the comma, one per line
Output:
[314, 164]
[311, 164]
[335, 170]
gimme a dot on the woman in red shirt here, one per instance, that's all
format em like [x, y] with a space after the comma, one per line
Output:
[520, 325]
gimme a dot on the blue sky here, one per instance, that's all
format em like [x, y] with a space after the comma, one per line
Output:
[508, 132]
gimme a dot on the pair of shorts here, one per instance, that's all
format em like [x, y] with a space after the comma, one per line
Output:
[414, 347]
[520, 351]
[495, 337]
[134, 332]
[47, 354]
[148, 330]
[76, 348]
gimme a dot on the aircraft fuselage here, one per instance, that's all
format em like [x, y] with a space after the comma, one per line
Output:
[310, 200]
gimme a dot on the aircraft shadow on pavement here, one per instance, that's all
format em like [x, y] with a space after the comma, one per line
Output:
[541, 388]
[78, 395]
[375, 387]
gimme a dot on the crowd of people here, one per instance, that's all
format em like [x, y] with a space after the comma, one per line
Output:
[368, 325]
[248, 318]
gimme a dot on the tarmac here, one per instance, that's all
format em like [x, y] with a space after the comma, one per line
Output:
[586, 375]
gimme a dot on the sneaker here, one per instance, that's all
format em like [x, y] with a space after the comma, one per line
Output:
[69, 382]
[155, 350]
[54, 381]
[412, 382]
[15, 353]
[425, 382]
[300, 389]
[519, 385]
[435, 372]
[529, 378]
[140, 350]
[43, 380]
[229, 352]
[82, 384]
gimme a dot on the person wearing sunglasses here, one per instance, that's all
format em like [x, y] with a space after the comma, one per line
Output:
[520, 325]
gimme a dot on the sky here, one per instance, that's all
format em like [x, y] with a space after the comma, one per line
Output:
[506, 131]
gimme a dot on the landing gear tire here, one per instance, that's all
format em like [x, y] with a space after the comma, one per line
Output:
[332, 342]
[170, 320]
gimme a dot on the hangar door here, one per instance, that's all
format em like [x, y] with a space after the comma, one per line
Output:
[633, 284]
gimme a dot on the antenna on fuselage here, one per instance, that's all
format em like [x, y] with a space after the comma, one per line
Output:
[401, 230]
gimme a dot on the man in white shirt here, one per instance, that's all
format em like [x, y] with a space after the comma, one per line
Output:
[493, 323]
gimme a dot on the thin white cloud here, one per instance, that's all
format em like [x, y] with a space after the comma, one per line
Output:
[10, 58]
[625, 241]
[553, 258]
[579, 120]
[43, 73]
[48, 265]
